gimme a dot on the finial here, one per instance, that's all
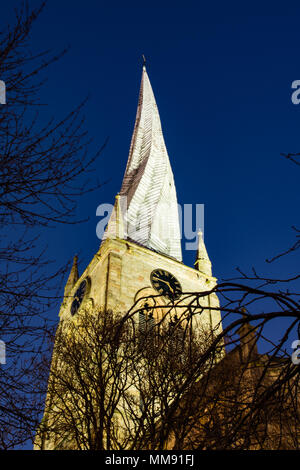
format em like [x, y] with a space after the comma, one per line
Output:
[144, 61]
[73, 276]
[202, 262]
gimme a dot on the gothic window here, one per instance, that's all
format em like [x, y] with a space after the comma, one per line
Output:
[146, 324]
[146, 320]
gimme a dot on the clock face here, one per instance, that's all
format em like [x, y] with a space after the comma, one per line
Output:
[166, 284]
[78, 297]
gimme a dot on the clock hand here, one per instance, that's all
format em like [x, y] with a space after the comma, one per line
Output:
[162, 280]
[165, 282]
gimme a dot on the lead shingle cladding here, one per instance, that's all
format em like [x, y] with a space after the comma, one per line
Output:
[151, 218]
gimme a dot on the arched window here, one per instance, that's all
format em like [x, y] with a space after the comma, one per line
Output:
[146, 324]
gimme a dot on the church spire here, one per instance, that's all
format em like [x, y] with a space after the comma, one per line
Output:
[73, 277]
[202, 262]
[152, 217]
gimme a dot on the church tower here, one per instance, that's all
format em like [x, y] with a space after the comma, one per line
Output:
[143, 233]
[140, 253]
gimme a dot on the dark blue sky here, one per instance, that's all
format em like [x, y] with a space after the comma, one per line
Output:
[221, 73]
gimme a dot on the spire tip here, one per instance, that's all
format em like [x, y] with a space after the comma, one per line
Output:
[144, 62]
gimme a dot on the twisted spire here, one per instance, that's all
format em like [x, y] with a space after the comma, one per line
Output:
[152, 217]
